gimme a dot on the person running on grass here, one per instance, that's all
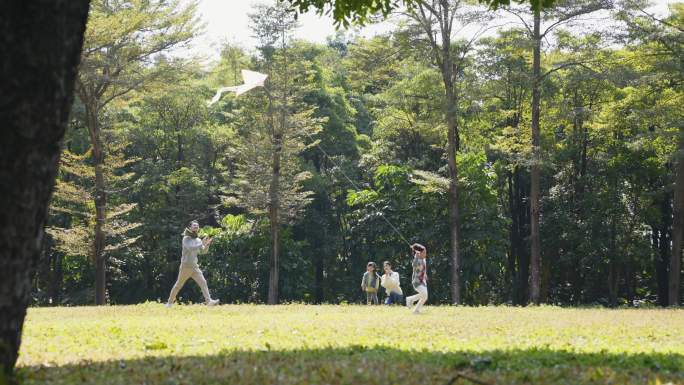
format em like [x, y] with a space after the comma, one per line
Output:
[419, 277]
[390, 281]
[370, 283]
[192, 246]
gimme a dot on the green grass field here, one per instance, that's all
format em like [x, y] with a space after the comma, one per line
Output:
[298, 344]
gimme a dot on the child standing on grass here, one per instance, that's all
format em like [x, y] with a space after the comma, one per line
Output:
[370, 283]
[192, 246]
[419, 277]
[390, 281]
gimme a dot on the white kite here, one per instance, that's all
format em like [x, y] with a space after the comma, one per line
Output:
[251, 80]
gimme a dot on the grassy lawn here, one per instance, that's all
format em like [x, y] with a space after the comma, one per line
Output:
[298, 344]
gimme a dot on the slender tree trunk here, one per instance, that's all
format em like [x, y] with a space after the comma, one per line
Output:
[451, 110]
[522, 213]
[55, 283]
[274, 217]
[519, 260]
[613, 267]
[545, 279]
[630, 278]
[613, 280]
[512, 239]
[319, 257]
[535, 257]
[274, 200]
[677, 226]
[40, 44]
[661, 244]
[454, 218]
[100, 200]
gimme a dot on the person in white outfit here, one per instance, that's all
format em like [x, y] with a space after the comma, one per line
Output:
[390, 281]
[192, 246]
[419, 278]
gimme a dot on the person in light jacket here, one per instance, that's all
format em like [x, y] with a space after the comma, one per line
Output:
[192, 246]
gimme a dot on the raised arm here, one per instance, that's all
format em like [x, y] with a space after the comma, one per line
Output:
[423, 253]
[205, 245]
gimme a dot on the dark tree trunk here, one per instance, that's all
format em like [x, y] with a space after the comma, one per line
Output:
[535, 256]
[661, 246]
[454, 218]
[512, 239]
[100, 200]
[318, 278]
[630, 279]
[578, 282]
[40, 44]
[451, 111]
[677, 226]
[55, 288]
[613, 266]
[323, 250]
[274, 217]
[519, 235]
[274, 202]
[448, 63]
[545, 279]
[613, 280]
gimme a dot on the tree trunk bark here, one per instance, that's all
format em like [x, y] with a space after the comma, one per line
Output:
[677, 226]
[55, 285]
[512, 239]
[319, 256]
[274, 217]
[454, 218]
[522, 213]
[661, 244]
[40, 44]
[452, 149]
[100, 200]
[535, 257]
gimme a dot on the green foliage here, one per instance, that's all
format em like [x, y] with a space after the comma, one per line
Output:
[347, 12]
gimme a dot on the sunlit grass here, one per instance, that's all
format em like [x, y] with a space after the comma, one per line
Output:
[294, 344]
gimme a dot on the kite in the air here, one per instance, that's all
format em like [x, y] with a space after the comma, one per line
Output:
[251, 80]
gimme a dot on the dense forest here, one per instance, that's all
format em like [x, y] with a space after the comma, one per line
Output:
[540, 159]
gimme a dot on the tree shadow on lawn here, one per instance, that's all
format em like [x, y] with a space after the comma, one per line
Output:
[370, 365]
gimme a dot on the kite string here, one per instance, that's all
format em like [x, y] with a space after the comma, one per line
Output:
[356, 186]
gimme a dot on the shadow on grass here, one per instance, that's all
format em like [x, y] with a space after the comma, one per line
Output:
[370, 365]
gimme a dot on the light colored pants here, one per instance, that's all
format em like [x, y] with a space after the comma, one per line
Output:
[421, 297]
[371, 297]
[184, 274]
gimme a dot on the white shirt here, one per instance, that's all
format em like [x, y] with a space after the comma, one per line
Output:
[391, 283]
[192, 247]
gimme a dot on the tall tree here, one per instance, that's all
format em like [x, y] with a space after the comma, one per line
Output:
[663, 39]
[503, 63]
[436, 19]
[40, 44]
[122, 39]
[277, 136]
[562, 13]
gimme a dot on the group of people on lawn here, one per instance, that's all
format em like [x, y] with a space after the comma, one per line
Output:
[192, 246]
[371, 281]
